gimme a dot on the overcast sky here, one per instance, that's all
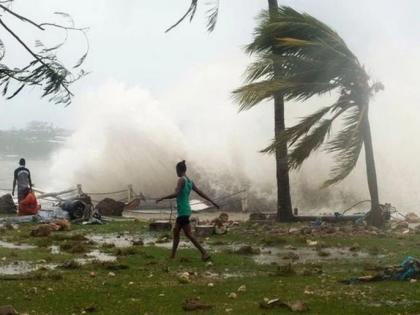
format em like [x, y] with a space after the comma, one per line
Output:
[128, 43]
[190, 73]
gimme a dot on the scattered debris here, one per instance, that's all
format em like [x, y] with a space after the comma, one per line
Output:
[184, 278]
[242, 288]
[297, 306]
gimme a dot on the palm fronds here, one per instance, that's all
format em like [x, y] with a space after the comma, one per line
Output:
[299, 57]
[212, 15]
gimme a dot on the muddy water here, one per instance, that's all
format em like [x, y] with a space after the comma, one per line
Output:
[22, 267]
[8, 245]
[96, 255]
[308, 255]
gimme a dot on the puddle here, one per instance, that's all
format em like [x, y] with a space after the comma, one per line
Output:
[128, 240]
[306, 255]
[118, 240]
[22, 267]
[96, 255]
[16, 246]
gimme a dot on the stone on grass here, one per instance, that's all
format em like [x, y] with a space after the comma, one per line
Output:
[242, 288]
[195, 304]
[232, 295]
[8, 310]
[7, 205]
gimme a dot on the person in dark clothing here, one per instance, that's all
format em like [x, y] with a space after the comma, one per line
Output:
[22, 177]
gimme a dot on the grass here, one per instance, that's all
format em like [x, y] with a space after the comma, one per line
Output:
[144, 281]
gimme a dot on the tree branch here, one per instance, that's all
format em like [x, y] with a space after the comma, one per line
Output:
[31, 52]
[20, 17]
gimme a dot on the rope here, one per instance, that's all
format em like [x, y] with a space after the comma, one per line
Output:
[356, 204]
[106, 193]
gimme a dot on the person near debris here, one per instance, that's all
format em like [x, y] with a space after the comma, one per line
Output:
[22, 177]
[29, 205]
[182, 195]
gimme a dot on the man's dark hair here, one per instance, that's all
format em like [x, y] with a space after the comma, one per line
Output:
[181, 167]
[22, 162]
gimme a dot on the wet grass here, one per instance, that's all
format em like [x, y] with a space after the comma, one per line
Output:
[143, 279]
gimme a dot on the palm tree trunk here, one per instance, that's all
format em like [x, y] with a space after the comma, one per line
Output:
[375, 216]
[284, 203]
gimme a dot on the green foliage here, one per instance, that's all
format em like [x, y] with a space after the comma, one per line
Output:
[299, 57]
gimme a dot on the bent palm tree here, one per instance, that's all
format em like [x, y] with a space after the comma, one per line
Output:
[311, 59]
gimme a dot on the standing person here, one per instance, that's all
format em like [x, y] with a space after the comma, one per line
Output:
[182, 195]
[22, 177]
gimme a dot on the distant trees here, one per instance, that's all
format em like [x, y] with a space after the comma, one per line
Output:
[45, 70]
[309, 59]
[37, 140]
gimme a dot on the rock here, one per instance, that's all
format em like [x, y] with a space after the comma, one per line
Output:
[7, 205]
[298, 306]
[242, 288]
[8, 310]
[111, 274]
[44, 230]
[311, 243]
[232, 295]
[248, 250]
[184, 278]
[355, 247]
[210, 284]
[293, 230]
[257, 216]
[323, 253]
[195, 304]
[224, 217]
[290, 247]
[138, 242]
[110, 207]
[63, 224]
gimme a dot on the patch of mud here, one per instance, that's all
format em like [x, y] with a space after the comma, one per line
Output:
[22, 267]
[9, 245]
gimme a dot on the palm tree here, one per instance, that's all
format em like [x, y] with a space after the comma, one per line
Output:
[284, 204]
[311, 59]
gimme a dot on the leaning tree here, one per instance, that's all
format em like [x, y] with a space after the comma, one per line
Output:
[311, 59]
[284, 204]
[44, 70]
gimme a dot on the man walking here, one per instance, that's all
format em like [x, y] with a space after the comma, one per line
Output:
[22, 177]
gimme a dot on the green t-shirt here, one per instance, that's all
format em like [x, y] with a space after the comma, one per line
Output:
[183, 198]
